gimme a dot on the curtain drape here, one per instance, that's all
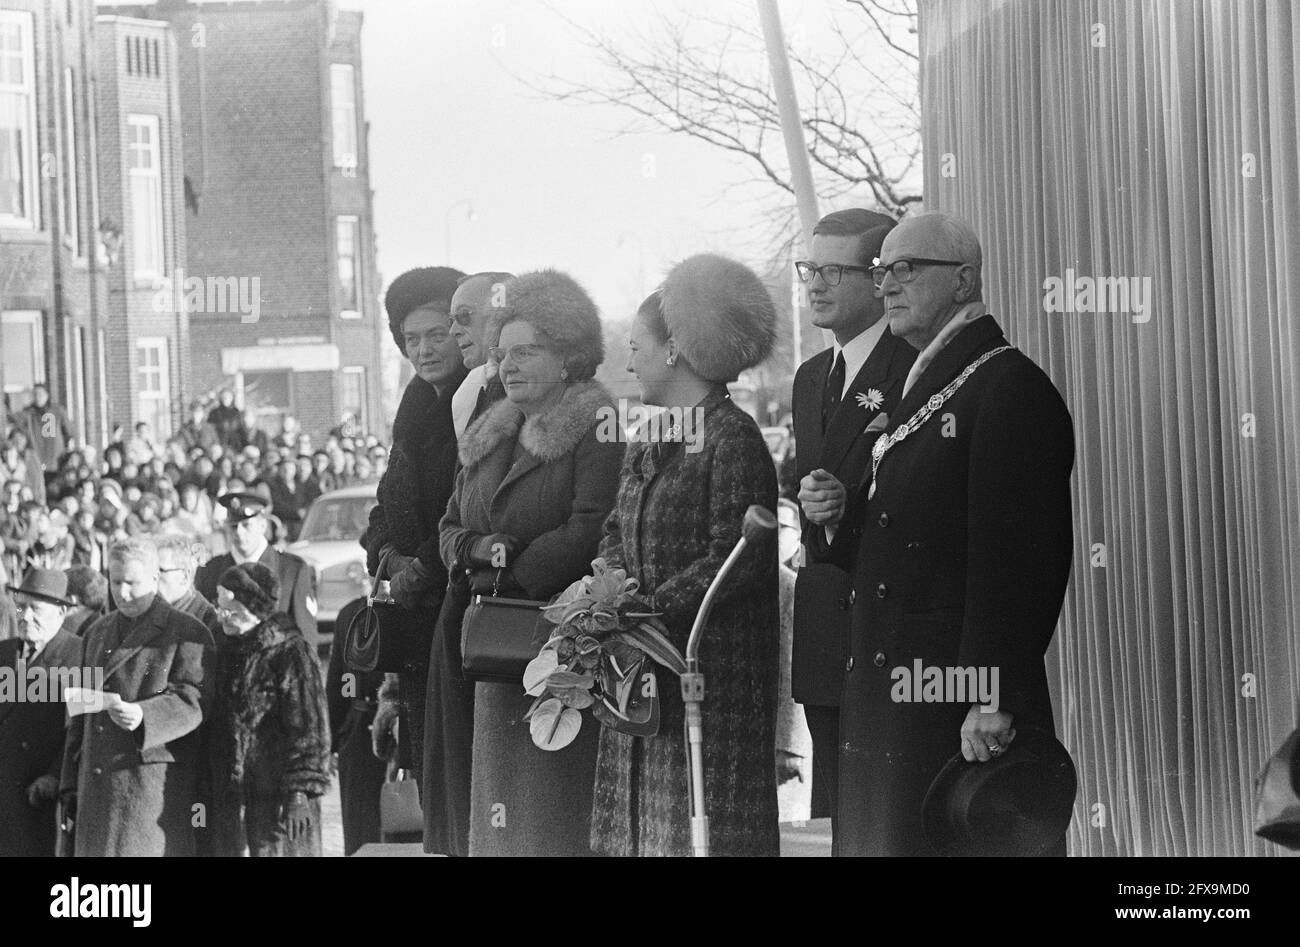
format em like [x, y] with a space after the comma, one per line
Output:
[1156, 142]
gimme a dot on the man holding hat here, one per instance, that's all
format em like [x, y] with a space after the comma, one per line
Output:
[32, 733]
[246, 529]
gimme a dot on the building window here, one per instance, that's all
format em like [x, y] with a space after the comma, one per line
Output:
[153, 398]
[71, 216]
[22, 346]
[348, 235]
[145, 171]
[19, 198]
[343, 104]
[352, 395]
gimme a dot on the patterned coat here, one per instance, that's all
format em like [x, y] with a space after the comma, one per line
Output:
[136, 790]
[678, 516]
[550, 482]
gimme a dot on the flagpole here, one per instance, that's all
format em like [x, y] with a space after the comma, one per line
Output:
[796, 149]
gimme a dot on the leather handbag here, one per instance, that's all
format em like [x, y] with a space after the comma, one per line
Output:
[380, 636]
[823, 611]
[1277, 795]
[399, 805]
[499, 636]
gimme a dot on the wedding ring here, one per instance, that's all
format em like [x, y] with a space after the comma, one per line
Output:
[995, 749]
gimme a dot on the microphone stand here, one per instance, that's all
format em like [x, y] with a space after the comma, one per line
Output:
[758, 521]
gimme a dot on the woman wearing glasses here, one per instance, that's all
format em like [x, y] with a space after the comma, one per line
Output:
[401, 541]
[535, 484]
[268, 741]
[679, 513]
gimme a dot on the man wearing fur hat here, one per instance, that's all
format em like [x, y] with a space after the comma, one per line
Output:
[965, 548]
[842, 398]
[129, 777]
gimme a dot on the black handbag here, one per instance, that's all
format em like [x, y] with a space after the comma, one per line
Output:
[499, 636]
[1277, 795]
[380, 637]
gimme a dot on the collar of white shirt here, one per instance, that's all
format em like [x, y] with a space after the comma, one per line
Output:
[465, 397]
[858, 351]
[256, 557]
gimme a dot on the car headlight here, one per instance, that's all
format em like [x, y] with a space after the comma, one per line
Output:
[357, 573]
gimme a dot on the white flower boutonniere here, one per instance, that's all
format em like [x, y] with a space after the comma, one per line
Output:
[871, 399]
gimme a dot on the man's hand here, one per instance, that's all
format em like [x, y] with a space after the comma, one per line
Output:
[43, 789]
[822, 498]
[985, 736]
[295, 816]
[126, 715]
[788, 767]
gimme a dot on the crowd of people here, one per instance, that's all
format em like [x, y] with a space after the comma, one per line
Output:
[942, 542]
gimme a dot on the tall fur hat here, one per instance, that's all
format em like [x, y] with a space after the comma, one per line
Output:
[254, 586]
[720, 315]
[423, 286]
[555, 304]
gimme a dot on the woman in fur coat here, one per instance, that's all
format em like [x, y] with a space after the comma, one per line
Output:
[269, 740]
[680, 506]
[401, 541]
[536, 483]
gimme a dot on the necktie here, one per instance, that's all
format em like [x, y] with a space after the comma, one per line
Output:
[29, 651]
[480, 402]
[834, 389]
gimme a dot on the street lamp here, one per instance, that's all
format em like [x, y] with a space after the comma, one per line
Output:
[446, 222]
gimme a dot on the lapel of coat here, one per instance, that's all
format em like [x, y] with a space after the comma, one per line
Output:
[518, 469]
[852, 417]
[808, 441]
[980, 336]
[150, 625]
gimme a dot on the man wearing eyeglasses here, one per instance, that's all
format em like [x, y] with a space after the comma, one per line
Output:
[965, 547]
[842, 398]
[477, 297]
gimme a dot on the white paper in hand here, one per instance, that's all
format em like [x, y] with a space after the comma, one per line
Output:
[86, 700]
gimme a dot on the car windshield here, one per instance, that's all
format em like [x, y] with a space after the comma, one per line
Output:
[333, 519]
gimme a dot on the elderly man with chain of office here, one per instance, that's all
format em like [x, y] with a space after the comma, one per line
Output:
[965, 544]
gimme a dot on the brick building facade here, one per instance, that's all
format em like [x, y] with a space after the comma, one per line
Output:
[278, 199]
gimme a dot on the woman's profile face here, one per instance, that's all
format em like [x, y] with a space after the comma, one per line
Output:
[646, 359]
[529, 367]
[430, 346]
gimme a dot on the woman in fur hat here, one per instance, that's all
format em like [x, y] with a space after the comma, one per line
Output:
[678, 515]
[536, 483]
[402, 539]
[268, 738]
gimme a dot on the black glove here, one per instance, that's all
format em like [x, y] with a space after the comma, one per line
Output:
[295, 815]
[484, 549]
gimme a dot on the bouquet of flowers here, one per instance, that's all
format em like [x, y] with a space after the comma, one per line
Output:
[597, 658]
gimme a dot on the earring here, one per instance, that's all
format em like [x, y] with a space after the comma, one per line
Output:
[670, 361]
[564, 374]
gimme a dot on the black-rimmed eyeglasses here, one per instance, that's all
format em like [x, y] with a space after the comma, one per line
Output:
[831, 273]
[904, 270]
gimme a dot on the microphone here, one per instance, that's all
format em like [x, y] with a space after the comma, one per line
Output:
[758, 522]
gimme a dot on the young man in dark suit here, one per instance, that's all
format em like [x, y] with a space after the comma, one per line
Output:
[842, 397]
[246, 528]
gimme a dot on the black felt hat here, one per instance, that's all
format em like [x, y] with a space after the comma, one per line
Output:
[1018, 803]
[254, 586]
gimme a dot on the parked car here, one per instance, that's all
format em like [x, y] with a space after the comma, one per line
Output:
[330, 542]
[778, 442]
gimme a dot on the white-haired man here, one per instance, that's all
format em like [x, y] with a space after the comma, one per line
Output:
[966, 541]
[130, 771]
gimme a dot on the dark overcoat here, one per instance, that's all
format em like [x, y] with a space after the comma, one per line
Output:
[31, 745]
[412, 497]
[552, 494]
[136, 790]
[678, 516]
[268, 737]
[963, 562]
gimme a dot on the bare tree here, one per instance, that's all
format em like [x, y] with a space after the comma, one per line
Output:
[707, 78]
